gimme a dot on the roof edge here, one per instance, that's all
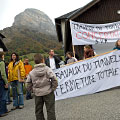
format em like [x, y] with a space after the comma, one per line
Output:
[83, 9]
[2, 35]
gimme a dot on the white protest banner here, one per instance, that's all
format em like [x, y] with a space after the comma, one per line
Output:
[85, 34]
[88, 76]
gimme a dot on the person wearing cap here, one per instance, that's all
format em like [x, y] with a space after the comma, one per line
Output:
[3, 86]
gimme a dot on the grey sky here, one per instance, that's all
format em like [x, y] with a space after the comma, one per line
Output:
[53, 8]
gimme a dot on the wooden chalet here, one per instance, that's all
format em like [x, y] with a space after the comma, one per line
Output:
[95, 12]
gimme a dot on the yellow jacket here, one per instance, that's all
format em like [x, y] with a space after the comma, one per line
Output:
[13, 71]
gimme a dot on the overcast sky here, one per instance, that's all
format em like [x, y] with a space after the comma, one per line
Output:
[53, 8]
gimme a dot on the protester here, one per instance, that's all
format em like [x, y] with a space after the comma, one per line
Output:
[28, 68]
[8, 99]
[70, 58]
[52, 61]
[16, 74]
[88, 52]
[3, 87]
[43, 82]
[117, 45]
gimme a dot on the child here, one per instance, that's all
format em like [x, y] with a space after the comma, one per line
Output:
[43, 82]
[70, 57]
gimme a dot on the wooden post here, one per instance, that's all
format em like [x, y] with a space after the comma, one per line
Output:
[73, 45]
[73, 50]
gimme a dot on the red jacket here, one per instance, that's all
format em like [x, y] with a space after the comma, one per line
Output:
[28, 68]
[89, 53]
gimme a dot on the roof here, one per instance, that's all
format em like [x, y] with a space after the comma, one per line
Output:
[71, 15]
[2, 35]
[67, 16]
[78, 11]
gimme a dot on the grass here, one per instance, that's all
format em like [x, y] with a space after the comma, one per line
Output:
[32, 63]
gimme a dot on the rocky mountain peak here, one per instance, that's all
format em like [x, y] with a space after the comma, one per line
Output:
[35, 20]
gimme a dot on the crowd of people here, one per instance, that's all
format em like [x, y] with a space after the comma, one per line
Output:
[40, 80]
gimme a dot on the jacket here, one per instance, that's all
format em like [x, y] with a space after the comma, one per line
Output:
[89, 53]
[116, 48]
[3, 72]
[13, 71]
[28, 68]
[41, 80]
[57, 61]
[71, 60]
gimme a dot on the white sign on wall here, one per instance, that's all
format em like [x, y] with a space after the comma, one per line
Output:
[85, 34]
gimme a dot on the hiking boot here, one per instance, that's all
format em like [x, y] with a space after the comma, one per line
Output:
[8, 111]
[21, 107]
[3, 114]
[8, 103]
[29, 98]
[14, 108]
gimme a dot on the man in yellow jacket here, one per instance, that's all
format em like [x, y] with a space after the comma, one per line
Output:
[16, 74]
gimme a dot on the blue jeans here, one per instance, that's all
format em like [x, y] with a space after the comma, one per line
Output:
[17, 91]
[3, 106]
[28, 95]
[8, 99]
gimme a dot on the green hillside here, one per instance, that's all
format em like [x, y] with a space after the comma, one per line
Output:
[25, 41]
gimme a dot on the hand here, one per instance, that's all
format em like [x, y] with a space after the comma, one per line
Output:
[21, 80]
[26, 76]
[6, 86]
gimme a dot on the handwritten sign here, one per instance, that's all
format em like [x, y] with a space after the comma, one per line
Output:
[88, 76]
[83, 34]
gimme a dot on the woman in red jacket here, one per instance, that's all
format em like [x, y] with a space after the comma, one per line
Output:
[88, 52]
